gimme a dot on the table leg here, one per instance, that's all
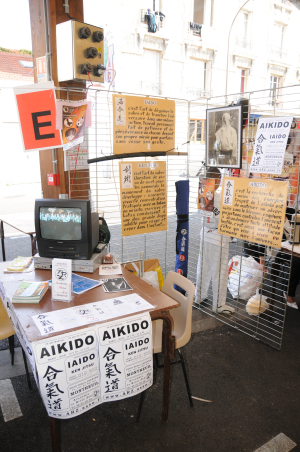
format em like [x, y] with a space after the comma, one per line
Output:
[33, 244]
[168, 348]
[2, 240]
[55, 434]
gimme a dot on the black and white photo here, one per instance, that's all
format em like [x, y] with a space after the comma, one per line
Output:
[116, 285]
[224, 137]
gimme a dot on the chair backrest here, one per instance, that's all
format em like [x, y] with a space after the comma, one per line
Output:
[182, 316]
[6, 327]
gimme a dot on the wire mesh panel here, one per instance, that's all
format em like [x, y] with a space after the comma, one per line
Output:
[244, 284]
[105, 184]
[246, 280]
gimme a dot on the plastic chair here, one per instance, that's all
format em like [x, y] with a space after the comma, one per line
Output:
[181, 319]
[7, 331]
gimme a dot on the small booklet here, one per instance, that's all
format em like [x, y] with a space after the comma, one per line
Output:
[20, 264]
[110, 269]
[30, 292]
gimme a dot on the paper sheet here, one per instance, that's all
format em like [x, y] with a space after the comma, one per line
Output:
[64, 319]
[110, 269]
[80, 370]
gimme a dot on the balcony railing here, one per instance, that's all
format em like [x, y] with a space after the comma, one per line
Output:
[200, 93]
[243, 43]
[152, 88]
[195, 29]
[278, 52]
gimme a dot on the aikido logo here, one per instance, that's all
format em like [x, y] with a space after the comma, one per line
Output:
[125, 330]
[65, 347]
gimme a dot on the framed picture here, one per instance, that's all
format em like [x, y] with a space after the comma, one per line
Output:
[224, 137]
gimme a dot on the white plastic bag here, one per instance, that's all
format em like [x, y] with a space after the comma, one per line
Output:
[244, 279]
[257, 304]
[151, 278]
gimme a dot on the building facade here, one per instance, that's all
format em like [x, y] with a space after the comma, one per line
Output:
[182, 50]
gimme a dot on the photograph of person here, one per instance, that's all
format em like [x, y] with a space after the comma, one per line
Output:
[116, 285]
[223, 138]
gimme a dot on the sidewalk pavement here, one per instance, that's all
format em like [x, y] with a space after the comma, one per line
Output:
[254, 392]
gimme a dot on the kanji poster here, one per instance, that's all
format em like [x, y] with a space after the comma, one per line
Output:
[80, 370]
[143, 189]
[143, 124]
[253, 210]
[270, 144]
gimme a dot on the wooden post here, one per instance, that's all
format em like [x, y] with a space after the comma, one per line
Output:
[55, 14]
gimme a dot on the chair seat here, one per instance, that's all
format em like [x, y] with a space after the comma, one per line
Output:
[6, 327]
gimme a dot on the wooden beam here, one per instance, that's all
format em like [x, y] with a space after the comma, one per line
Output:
[56, 14]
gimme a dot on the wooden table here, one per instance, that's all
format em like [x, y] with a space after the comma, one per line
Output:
[160, 301]
[22, 222]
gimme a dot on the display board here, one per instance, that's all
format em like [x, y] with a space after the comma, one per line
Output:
[143, 189]
[143, 124]
[253, 210]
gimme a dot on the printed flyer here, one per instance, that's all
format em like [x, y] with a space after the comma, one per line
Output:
[206, 194]
[83, 369]
[270, 144]
[73, 126]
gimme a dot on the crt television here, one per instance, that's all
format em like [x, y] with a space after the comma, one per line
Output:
[66, 228]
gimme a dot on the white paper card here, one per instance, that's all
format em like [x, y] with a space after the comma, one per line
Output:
[270, 144]
[61, 279]
[110, 269]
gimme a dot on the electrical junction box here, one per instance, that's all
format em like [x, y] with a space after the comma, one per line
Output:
[53, 179]
[80, 52]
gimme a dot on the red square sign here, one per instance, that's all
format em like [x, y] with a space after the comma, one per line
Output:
[37, 112]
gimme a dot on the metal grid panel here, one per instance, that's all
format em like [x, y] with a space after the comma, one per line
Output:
[275, 264]
[190, 127]
[105, 191]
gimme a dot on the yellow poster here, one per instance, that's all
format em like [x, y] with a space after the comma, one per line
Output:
[143, 189]
[253, 210]
[143, 124]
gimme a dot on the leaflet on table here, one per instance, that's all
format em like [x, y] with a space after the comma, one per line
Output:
[270, 144]
[29, 269]
[80, 284]
[110, 269]
[80, 370]
[64, 319]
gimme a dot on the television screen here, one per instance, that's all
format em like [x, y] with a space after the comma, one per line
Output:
[60, 223]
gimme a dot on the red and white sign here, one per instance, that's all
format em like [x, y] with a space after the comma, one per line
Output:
[37, 112]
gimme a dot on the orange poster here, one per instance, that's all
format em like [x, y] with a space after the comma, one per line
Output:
[143, 190]
[73, 125]
[37, 113]
[253, 210]
[206, 193]
[143, 124]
